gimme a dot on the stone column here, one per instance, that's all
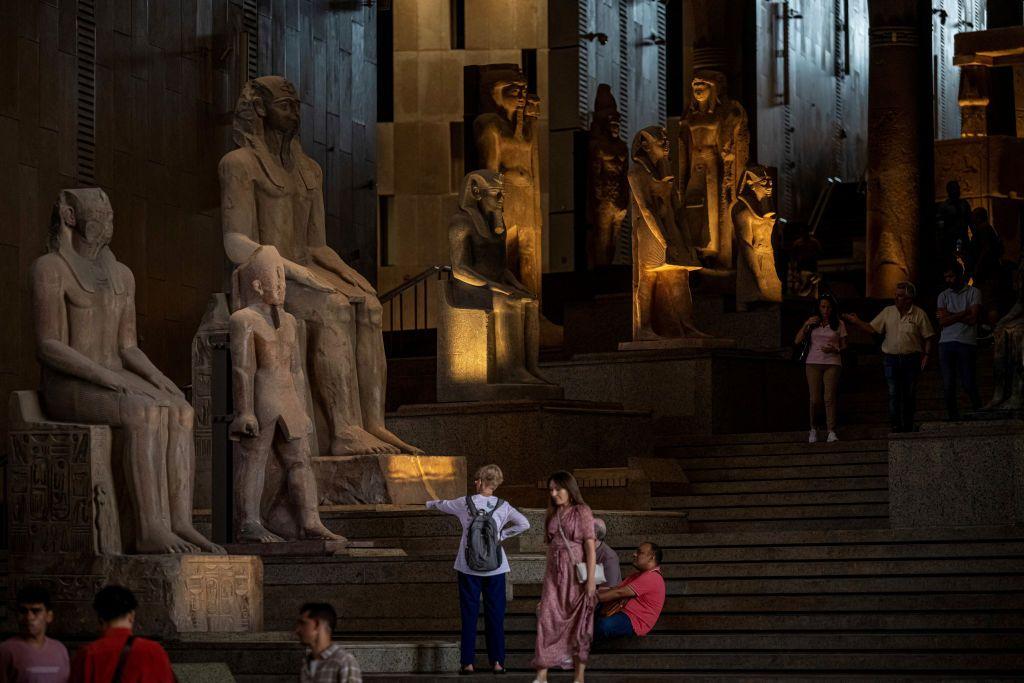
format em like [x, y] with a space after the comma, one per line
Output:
[899, 142]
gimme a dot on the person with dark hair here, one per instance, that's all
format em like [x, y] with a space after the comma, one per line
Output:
[633, 607]
[31, 657]
[565, 616]
[119, 655]
[958, 309]
[825, 336]
[325, 661]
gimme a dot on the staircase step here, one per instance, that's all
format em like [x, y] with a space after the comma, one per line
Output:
[779, 485]
[804, 449]
[694, 502]
[780, 512]
[905, 568]
[932, 552]
[769, 525]
[867, 469]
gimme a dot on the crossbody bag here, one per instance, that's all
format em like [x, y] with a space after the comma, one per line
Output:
[581, 567]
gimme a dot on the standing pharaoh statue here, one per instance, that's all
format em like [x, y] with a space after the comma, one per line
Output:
[662, 255]
[607, 184]
[1008, 361]
[269, 386]
[753, 215]
[93, 371]
[714, 145]
[272, 193]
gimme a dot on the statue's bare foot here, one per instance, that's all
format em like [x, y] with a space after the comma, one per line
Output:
[162, 543]
[521, 376]
[693, 332]
[189, 533]
[255, 532]
[358, 441]
[390, 438]
[320, 532]
[647, 334]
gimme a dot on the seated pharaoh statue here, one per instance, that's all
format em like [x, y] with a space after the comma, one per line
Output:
[269, 386]
[1008, 361]
[272, 194]
[93, 371]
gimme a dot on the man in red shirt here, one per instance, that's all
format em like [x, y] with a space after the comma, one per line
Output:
[119, 656]
[633, 607]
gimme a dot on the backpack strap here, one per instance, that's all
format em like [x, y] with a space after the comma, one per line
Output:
[472, 508]
[122, 659]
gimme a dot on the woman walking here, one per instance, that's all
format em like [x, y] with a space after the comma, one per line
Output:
[825, 336]
[481, 564]
[565, 616]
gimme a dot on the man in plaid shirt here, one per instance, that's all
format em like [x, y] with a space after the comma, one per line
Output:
[325, 662]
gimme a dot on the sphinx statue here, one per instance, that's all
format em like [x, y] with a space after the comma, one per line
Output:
[1008, 361]
[662, 254]
[714, 146]
[753, 216]
[607, 184]
[269, 387]
[272, 194]
[93, 371]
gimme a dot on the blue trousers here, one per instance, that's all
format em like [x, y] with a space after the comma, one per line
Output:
[957, 358]
[493, 590]
[901, 371]
[617, 625]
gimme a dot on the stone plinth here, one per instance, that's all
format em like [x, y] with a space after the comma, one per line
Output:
[958, 474]
[527, 439]
[678, 343]
[692, 390]
[177, 593]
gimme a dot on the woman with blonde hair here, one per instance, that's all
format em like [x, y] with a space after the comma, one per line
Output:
[481, 563]
[565, 616]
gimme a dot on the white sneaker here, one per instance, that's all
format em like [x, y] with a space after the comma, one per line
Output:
[812, 436]
[832, 438]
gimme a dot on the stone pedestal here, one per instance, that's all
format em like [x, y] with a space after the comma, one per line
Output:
[678, 343]
[527, 439]
[958, 474]
[692, 391]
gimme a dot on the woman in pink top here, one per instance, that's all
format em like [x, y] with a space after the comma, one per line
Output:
[826, 335]
[565, 616]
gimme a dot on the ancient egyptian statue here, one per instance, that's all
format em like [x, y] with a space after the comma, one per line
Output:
[607, 187]
[269, 387]
[753, 216]
[662, 255]
[272, 193]
[1008, 363]
[714, 147]
[93, 371]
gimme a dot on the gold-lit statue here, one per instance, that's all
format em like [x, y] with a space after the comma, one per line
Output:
[753, 216]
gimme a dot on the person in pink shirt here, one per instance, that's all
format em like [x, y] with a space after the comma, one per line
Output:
[632, 608]
[31, 657]
[825, 337]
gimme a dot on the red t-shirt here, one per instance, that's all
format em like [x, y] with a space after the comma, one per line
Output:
[643, 610]
[146, 663]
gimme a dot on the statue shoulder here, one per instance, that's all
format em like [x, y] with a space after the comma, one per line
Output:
[459, 225]
[237, 162]
[123, 271]
[48, 267]
[243, 319]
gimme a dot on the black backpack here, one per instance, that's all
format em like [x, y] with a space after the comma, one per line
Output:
[483, 540]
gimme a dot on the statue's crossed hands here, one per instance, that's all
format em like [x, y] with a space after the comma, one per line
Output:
[244, 425]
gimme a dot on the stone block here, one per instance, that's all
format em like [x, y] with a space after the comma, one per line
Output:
[957, 474]
[203, 673]
[212, 332]
[678, 343]
[177, 593]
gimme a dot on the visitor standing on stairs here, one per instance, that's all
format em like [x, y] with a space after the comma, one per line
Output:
[824, 338]
[565, 615]
[481, 564]
[958, 308]
[907, 342]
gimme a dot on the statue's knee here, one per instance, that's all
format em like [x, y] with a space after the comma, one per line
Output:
[339, 308]
[183, 413]
[374, 312]
[137, 411]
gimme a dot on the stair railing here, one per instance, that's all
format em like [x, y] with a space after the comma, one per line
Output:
[418, 289]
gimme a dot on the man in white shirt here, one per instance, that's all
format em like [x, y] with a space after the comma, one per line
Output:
[958, 308]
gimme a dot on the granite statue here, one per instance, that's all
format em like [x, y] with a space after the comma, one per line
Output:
[607, 183]
[93, 372]
[1008, 361]
[272, 194]
[269, 387]
[714, 146]
[753, 216]
[662, 254]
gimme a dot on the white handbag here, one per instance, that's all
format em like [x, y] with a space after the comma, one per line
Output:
[581, 567]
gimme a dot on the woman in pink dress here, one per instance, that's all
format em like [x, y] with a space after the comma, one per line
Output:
[565, 616]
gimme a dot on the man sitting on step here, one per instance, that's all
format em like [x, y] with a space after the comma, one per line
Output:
[633, 607]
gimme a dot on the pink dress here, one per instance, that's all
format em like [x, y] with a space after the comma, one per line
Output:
[565, 616]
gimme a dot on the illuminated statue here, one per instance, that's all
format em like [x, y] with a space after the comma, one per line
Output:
[607, 184]
[1008, 363]
[753, 215]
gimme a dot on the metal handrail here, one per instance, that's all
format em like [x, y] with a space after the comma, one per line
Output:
[412, 282]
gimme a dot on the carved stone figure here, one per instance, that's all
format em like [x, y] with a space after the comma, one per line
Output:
[753, 215]
[272, 193]
[93, 371]
[269, 387]
[714, 145]
[506, 140]
[662, 256]
[1008, 363]
[607, 184]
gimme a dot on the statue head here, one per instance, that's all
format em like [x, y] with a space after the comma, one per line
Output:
[953, 190]
[708, 86]
[268, 102]
[87, 214]
[758, 181]
[483, 192]
[651, 145]
[606, 112]
[260, 279]
[508, 89]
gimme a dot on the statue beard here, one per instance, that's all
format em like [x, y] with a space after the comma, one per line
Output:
[275, 315]
[497, 222]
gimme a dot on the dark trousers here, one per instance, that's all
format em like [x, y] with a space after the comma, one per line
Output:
[958, 358]
[617, 625]
[493, 590]
[901, 372]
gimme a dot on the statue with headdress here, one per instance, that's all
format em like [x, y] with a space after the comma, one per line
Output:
[753, 216]
[1008, 356]
[607, 186]
[714, 146]
[272, 194]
